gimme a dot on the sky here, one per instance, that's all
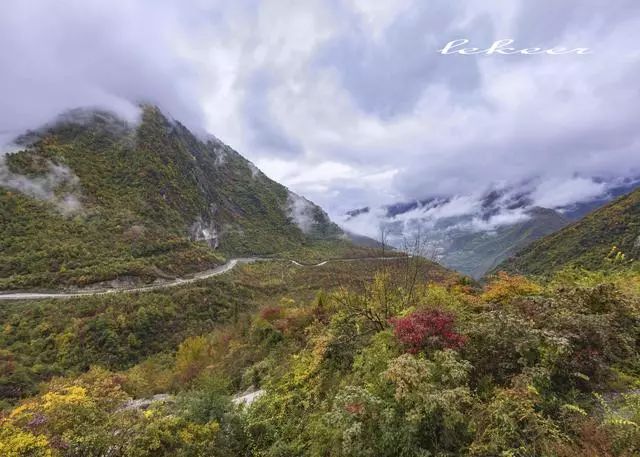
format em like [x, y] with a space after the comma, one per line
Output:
[349, 102]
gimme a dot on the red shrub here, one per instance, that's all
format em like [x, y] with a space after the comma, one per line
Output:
[271, 313]
[426, 330]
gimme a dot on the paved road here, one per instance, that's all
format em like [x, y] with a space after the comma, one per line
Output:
[230, 265]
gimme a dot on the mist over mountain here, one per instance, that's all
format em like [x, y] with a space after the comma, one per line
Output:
[607, 237]
[474, 233]
[141, 200]
[614, 190]
[384, 118]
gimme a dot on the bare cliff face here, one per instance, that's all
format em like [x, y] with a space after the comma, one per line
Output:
[205, 231]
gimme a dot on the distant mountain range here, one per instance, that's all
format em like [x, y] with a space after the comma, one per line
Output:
[475, 234]
[475, 253]
[91, 197]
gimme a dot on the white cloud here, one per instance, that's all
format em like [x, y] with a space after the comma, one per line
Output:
[501, 219]
[557, 193]
[45, 187]
[379, 14]
[347, 102]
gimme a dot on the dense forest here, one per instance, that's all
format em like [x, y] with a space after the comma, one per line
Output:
[92, 198]
[610, 234]
[394, 358]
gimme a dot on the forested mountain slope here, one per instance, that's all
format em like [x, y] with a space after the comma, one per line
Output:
[91, 198]
[608, 234]
[475, 253]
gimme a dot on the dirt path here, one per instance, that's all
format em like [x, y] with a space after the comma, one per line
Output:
[230, 265]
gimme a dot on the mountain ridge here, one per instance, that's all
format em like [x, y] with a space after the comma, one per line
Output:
[476, 253]
[608, 234]
[141, 201]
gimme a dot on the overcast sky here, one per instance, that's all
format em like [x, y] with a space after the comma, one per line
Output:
[348, 102]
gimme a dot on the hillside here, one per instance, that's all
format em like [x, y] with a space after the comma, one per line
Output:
[120, 330]
[92, 198]
[587, 243]
[475, 253]
[471, 234]
[370, 358]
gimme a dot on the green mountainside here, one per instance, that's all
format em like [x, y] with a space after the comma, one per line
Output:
[364, 358]
[92, 198]
[356, 357]
[475, 253]
[608, 234]
[368, 357]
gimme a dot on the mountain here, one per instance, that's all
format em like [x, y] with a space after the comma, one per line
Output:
[470, 235]
[92, 198]
[578, 210]
[593, 242]
[474, 233]
[475, 253]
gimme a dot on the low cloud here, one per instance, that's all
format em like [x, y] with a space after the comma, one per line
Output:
[557, 193]
[348, 102]
[46, 187]
[300, 210]
[480, 211]
[113, 55]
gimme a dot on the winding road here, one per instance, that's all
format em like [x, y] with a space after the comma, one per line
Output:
[230, 265]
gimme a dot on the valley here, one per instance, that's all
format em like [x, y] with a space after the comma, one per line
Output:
[357, 228]
[161, 296]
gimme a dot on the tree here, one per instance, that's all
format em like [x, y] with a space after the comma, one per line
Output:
[193, 356]
[427, 330]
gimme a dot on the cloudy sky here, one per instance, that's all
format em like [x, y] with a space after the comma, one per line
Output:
[348, 102]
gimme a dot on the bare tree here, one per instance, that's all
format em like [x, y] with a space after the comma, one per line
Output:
[384, 232]
[419, 253]
[395, 280]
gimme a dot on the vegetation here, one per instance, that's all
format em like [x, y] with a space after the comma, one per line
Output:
[477, 253]
[112, 201]
[394, 357]
[607, 238]
[117, 331]
[367, 361]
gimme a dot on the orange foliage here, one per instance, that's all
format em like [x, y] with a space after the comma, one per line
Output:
[505, 287]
